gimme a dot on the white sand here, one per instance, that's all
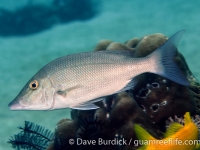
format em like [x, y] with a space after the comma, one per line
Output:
[22, 57]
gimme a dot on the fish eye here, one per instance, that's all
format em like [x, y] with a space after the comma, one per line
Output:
[33, 85]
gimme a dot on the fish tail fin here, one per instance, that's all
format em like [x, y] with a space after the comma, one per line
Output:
[141, 133]
[163, 59]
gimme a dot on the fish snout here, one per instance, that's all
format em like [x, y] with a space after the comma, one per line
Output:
[15, 105]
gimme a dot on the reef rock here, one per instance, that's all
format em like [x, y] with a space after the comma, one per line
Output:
[93, 125]
[149, 104]
[149, 43]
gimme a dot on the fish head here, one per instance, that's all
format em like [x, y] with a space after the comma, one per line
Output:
[37, 94]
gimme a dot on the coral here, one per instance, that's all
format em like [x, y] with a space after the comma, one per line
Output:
[102, 123]
[195, 90]
[183, 133]
[180, 120]
[149, 43]
[160, 97]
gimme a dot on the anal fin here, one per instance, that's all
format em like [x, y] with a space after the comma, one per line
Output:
[85, 106]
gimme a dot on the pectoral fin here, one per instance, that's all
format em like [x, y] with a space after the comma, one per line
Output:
[85, 106]
[88, 105]
[64, 93]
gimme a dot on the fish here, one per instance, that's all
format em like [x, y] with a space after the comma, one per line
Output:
[79, 80]
[177, 137]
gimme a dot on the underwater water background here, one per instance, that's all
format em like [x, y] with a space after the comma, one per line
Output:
[22, 56]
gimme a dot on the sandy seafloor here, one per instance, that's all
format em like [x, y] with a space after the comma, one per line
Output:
[118, 20]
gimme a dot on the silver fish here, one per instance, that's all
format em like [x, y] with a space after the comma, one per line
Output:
[78, 80]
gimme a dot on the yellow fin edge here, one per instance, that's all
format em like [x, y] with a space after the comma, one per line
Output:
[141, 133]
[187, 118]
[175, 127]
[172, 129]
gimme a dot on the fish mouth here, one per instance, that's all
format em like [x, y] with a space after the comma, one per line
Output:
[16, 106]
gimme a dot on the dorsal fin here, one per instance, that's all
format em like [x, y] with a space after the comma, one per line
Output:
[172, 129]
